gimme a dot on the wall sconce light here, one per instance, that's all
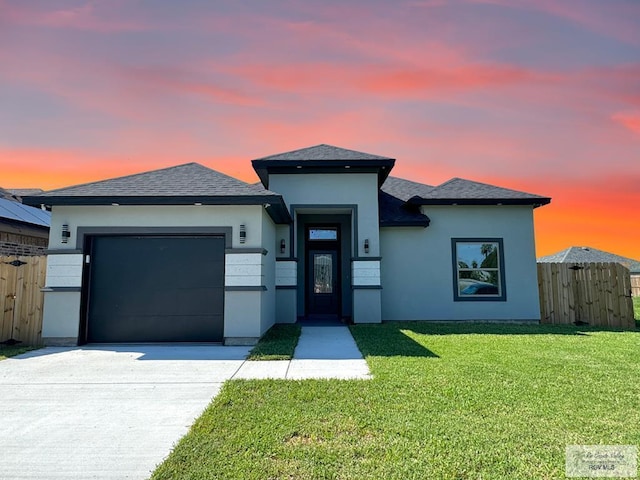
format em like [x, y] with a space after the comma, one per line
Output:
[243, 233]
[66, 233]
[366, 245]
[283, 246]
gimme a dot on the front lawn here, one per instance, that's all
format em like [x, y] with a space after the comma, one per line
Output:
[278, 343]
[7, 351]
[636, 310]
[446, 402]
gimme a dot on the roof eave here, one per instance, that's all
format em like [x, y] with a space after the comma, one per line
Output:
[535, 202]
[266, 167]
[274, 204]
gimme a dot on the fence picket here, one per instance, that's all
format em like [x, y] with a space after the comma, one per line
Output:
[596, 293]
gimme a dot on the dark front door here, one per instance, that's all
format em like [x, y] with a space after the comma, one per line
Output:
[156, 289]
[323, 282]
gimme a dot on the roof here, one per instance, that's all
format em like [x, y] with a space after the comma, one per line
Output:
[405, 189]
[457, 191]
[590, 255]
[180, 185]
[394, 212]
[466, 192]
[322, 158]
[24, 192]
[17, 212]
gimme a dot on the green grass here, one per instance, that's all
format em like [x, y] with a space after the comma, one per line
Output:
[11, 351]
[636, 310]
[446, 402]
[277, 344]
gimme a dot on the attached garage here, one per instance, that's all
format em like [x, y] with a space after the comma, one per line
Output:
[155, 289]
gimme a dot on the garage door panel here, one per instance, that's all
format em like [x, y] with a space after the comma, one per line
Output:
[156, 289]
[145, 329]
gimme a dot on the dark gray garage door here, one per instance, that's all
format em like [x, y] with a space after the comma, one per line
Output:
[156, 289]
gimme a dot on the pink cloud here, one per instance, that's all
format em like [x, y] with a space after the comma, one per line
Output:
[630, 121]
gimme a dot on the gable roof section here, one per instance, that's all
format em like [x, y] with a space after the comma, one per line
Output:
[16, 212]
[180, 185]
[405, 189]
[459, 191]
[322, 158]
[589, 255]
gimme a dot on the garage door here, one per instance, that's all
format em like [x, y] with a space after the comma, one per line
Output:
[156, 289]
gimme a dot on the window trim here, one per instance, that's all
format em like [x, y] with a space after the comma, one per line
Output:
[501, 271]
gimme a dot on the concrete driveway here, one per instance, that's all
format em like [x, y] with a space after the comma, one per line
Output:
[104, 412]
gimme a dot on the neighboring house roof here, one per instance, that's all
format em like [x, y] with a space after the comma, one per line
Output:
[14, 211]
[24, 192]
[590, 255]
[322, 159]
[180, 185]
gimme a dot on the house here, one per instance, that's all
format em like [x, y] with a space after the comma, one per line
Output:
[24, 230]
[190, 254]
[593, 255]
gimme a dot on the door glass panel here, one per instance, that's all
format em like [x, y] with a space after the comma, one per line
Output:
[322, 273]
[323, 234]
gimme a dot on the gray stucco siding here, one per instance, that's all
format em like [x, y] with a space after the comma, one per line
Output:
[248, 265]
[417, 268]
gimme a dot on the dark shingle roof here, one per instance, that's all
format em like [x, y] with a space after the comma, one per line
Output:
[394, 212]
[17, 212]
[322, 159]
[191, 179]
[179, 185]
[405, 189]
[467, 192]
[590, 255]
[323, 152]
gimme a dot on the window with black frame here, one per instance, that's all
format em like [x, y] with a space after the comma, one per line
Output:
[478, 269]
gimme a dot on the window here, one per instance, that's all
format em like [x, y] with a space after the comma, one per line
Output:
[323, 234]
[478, 269]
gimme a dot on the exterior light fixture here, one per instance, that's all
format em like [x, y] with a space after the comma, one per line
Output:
[66, 233]
[243, 233]
[283, 246]
[366, 245]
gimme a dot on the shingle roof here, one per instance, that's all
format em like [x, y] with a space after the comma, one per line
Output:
[191, 179]
[394, 212]
[323, 152]
[589, 255]
[17, 212]
[467, 192]
[322, 159]
[405, 189]
[180, 185]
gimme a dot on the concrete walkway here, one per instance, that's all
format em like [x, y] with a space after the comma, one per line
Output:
[115, 412]
[322, 352]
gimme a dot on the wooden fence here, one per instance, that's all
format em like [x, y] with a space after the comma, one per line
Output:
[598, 294]
[21, 298]
[635, 285]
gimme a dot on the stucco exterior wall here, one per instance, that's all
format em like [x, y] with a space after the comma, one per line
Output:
[248, 313]
[158, 216]
[417, 265]
[268, 317]
[359, 189]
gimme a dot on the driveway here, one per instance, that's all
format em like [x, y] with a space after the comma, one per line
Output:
[104, 412]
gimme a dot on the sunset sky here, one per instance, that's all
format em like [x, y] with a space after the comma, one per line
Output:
[536, 95]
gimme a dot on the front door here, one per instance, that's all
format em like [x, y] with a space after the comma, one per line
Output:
[323, 284]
